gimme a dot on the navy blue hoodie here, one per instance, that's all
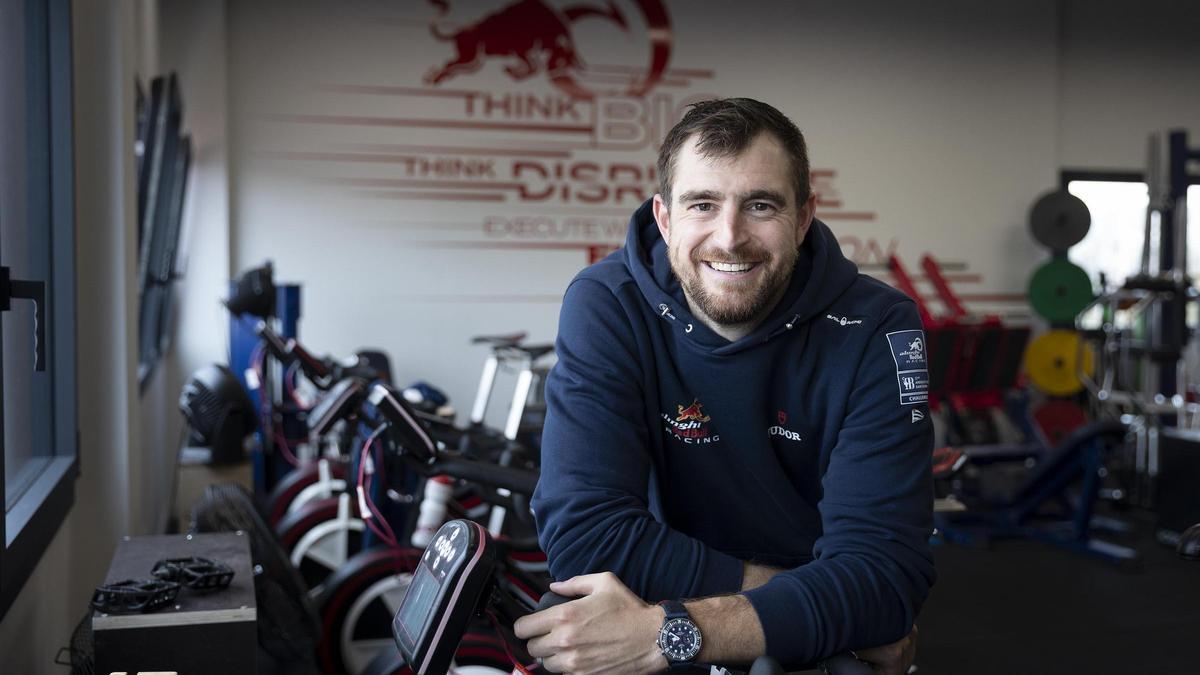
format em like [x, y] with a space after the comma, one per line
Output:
[671, 455]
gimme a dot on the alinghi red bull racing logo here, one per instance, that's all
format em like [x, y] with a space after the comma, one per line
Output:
[690, 425]
[534, 36]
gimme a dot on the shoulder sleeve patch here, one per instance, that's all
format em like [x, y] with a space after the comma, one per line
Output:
[912, 367]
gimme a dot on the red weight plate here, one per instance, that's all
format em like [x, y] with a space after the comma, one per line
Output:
[1058, 418]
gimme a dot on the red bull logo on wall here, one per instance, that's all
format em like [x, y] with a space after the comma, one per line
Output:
[532, 36]
[536, 121]
[543, 117]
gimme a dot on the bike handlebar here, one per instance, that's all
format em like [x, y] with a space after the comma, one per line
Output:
[272, 341]
[488, 474]
[314, 368]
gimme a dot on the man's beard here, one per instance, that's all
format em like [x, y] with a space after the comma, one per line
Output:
[737, 304]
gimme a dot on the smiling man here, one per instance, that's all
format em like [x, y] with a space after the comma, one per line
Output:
[735, 236]
[736, 457]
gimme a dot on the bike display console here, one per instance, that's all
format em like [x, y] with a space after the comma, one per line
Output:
[447, 589]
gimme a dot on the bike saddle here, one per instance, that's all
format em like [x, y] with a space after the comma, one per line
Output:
[536, 351]
[510, 340]
[531, 352]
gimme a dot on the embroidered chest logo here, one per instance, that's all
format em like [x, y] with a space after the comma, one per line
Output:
[843, 321]
[690, 425]
[781, 428]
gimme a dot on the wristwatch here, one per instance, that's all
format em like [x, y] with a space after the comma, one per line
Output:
[679, 638]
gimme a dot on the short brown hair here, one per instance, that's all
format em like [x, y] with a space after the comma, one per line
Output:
[726, 127]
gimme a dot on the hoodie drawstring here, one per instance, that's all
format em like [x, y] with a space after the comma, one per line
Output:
[664, 310]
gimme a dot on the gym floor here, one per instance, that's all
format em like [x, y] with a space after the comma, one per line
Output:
[1024, 607]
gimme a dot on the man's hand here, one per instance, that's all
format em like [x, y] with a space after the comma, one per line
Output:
[893, 659]
[608, 629]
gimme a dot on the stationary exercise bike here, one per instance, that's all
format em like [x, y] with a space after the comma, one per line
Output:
[357, 602]
[323, 526]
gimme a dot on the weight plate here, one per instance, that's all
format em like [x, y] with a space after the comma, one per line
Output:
[1059, 290]
[1052, 362]
[1059, 220]
[1057, 419]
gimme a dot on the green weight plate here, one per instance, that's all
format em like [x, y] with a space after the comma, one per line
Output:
[1059, 220]
[1059, 290]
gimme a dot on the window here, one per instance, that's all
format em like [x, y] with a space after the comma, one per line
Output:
[1113, 245]
[37, 284]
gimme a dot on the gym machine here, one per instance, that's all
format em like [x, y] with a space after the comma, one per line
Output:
[1141, 330]
[1047, 486]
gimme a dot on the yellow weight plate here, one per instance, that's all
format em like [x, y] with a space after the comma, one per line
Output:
[1052, 362]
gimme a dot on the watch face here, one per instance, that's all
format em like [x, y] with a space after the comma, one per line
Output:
[679, 640]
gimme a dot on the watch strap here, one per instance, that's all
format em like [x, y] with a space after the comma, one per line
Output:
[673, 609]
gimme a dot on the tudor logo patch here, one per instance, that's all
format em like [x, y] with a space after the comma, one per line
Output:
[912, 367]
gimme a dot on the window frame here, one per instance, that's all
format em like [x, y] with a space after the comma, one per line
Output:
[35, 518]
[1066, 176]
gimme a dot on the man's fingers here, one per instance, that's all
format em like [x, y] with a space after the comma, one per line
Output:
[585, 584]
[552, 664]
[538, 623]
[539, 647]
[893, 659]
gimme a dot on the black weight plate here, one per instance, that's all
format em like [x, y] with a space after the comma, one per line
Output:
[1059, 220]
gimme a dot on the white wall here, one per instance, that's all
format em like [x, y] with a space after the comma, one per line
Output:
[195, 47]
[943, 120]
[1127, 69]
[939, 119]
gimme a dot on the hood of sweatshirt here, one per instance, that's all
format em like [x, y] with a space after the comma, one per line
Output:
[820, 261]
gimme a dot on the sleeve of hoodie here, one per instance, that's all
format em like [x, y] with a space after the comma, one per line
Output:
[872, 566]
[591, 503]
